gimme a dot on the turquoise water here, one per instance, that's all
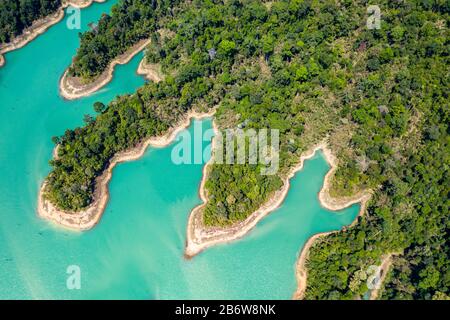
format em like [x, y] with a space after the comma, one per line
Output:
[137, 249]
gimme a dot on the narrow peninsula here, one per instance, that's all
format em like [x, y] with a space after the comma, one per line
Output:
[199, 237]
[88, 217]
[72, 88]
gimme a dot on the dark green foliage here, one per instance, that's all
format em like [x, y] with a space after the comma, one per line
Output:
[99, 107]
[16, 15]
[406, 146]
[129, 22]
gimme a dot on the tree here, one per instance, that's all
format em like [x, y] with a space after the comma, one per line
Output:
[99, 107]
[227, 48]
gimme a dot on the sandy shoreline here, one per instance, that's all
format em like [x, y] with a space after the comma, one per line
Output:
[150, 72]
[40, 26]
[329, 203]
[88, 218]
[301, 270]
[199, 238]
[71, 88]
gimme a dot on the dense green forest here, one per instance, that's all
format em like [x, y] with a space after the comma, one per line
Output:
[309, 69]
[16, 15]
[129, 22]
[399, 106]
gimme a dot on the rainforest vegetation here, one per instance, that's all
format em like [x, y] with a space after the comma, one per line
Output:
[129, 22]
[16, 15]
[310, 69]
[397, 104]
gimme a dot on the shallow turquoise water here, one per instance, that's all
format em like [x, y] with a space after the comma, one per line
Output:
[137, 249]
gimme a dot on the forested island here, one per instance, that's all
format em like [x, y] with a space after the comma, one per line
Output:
[311, 70]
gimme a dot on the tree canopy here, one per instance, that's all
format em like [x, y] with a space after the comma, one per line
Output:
[16, 15]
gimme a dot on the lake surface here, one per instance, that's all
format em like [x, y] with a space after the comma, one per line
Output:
[136, 251]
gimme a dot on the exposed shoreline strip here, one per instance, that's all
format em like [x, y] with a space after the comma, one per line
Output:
[71, 89]
[150, 72]
[301, 271]
[40, 26]
[88, 218]
[329, 203]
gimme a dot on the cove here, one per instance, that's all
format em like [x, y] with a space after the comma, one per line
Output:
[136, 251]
